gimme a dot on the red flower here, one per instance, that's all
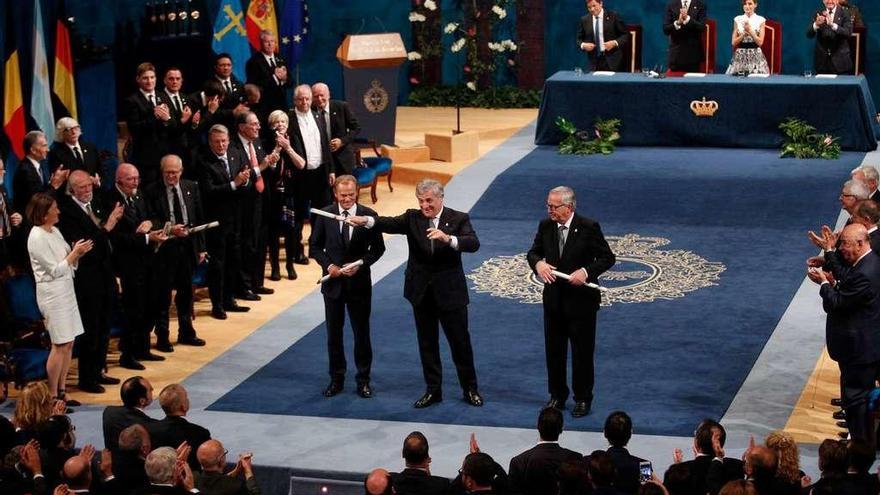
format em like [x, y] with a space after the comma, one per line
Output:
[414, 81]
[466, 69]
[472, 32]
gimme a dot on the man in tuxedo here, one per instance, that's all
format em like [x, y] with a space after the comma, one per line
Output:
[334, 244]
[223, 177]
[618, 431]
[601, 35]
[149, 120]
[178, 202]
[212, 457]
[341, 126]
[832, 26]
[174, 429]
[181, 132]
[254, 205]
[574, 245]
[136, 393]
[11, 236]
[435, 285]
[313, 182]
[269, 71]
[708, 471]
[853, 308]
[70, 152]
[205, 105]
[83, 217]
[30, 178]
[533, 472]
[233, 87]
[416, 477]
[869, 176]
[132, 241]
[684, 22]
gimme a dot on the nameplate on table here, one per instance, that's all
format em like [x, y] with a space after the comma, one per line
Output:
[826, 76]
[694, 74]
[758, 75]
[603, 73]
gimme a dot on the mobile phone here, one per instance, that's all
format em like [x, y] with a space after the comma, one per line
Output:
[646, 471]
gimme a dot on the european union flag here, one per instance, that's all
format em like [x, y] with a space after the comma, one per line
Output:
[230, 35]
[294, 30]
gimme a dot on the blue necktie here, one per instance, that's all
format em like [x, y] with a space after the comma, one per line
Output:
[596, 32]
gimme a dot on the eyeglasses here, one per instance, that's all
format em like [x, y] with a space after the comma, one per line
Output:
[225, 452]
[554, 207]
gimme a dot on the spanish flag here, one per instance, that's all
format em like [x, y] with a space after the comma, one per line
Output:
[260, 16]
[13, 103]
[63, 84]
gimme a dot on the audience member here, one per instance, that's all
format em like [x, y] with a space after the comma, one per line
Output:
[760, 464]
[341, 127]
[860, 458]
[416, 478]
[136, 393]
[378, 482]
[57, 442]
[174, 429]
[148, 117]
[652, 487]
[22, 472]
[832, 466]
[212, 481]
[869, 176]
[618, 431]
[128, 459]
[788, 473]
[72, 153]
[30, 177]
[167, 476]
[739, 487]
[709, 448]
[34, 406]
[600, 469]
[282, 199]
[478, 473]
[573, 478]
[535, 471]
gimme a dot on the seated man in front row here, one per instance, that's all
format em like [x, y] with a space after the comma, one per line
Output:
[601, 35]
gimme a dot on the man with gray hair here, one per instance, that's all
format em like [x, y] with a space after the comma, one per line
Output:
[435, 285]
[174, 429]
[869, 176]
[569, 244]
[30, 177]
[268, 70]
[166, 475]
[72, 153]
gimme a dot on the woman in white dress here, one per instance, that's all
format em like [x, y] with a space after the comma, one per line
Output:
[54, 263]
[747, 38]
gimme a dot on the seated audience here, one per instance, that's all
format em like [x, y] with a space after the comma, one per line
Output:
[833, 467]
[601, 472]
[416, 478]
[760, 468]
[378, 482]
[573, 478]
[128, 460]
[22, 471]
[618, 431]
[708, 444]
[788, 473]
[478, 473]
[535, 470]
[33, 407]
[57, 444]
[166, 475]
[137, 394]
[174, 429]
[212, 481]
[738, 487]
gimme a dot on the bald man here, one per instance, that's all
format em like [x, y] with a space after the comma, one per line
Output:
[853, 308]
[341, 126]
[378, 482]
[212, 457]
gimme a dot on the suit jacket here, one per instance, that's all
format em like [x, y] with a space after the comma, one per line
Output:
[709, 476]
[418, 482]
[171, 431]
[439, 269]
[117, 418]
[180, 135]
[533, 472]
[686, 43]
[62, 155]
[853, 308]
[233, 99]
[222, 202]
[268, 174]
[628, 477]
[95, 270]
[26, 182]
[131, 250]
[344, 126]
[613, 28]
[296, 142]
[326, 246]
[831, 54]
[219, 484]
[271, 91]
[160, 212]
[585, 247]
[149, 135]
[129, 473]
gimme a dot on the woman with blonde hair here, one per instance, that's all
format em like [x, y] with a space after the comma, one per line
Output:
[788, 472]
[738, 487]
[281, 208]
[34, 406]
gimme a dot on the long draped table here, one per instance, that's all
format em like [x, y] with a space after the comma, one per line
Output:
[657, 112]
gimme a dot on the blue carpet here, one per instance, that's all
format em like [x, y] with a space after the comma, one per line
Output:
[669, 363]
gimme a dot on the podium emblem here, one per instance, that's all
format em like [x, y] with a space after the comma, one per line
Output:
[704, 108]
[376, 98]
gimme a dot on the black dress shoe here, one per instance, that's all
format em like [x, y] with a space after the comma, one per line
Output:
[247, 295]
[291, 273]
[365, 391]
[844, 435]
[842, 424]
[165, 346]
[428, 399]
[235, 308]
[72, 402]
[301, 260]
[92, 388]
[473, 398]
[837, 402]
[276, 275]
[264, 290]
[556, 404]
[839, 414]
[130, 363]
[193, 341]
[581, 408]
[104, 379]
[149, 356]
[333, 389]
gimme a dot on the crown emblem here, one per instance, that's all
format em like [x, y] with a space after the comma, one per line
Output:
[704, 108]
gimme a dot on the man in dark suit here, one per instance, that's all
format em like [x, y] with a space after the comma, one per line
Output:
[134, 446]
[269, 71]
[573, 245]
[181, 133]
[341, 126]
[165, 476]
[684, 22]
[174, 429]
[832, 27]
[435, 285]
[602, 34]
[416, 478]
[334, 244]
[136, 393]
[313, 182]
[12, 244]
[177, 201]
[30, 177]
[70, 152]
[618, 431]
[234, 95]
[132, 241]
[83, 217]
[223, 176]
[212, 457]
[709, 470]
[853, 308]
[533, 472]
[149, 120]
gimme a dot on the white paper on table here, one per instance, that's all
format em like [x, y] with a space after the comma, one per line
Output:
[565, 276]
[694, 74]
[758, 75]
[826, 76]
[603, 73]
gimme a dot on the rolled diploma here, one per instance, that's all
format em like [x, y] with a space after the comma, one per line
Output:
[343, 268]
[322, 213]
[204, 226]
[565, 276]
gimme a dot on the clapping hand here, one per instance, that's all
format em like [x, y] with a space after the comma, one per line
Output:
[186, 114]
[682, 15]
[82, 247]
[162, 113]
[820, 19]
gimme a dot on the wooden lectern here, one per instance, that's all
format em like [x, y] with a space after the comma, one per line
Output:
[371, 63]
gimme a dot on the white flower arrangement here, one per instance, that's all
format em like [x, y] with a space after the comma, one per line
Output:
[497, 47]
[509, 44]
[457, 45]
[414, 56]
[416, 17]
[471, 85]
[450, 28]
[497, 10]
[430, 5]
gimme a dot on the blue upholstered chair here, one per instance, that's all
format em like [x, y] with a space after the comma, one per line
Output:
[24, 358]
[365, 177]
[381, 164]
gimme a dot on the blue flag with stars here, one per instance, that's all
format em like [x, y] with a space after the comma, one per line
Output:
[294, 30]
[230, 35]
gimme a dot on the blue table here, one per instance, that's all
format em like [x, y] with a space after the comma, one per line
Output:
[656, 112]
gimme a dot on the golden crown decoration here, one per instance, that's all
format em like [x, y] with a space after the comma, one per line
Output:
[704, 108]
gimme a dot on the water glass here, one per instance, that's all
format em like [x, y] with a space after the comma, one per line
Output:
[808, 73]
[578, 71]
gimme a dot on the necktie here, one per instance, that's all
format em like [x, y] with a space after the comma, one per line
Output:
[272, 62]
[4, 218]
[77, 154]
[346, 235]
[596, 38]
[39, 170]
[177, 104]
[92, 215]
[177, 210]
[685, 4]
[258, 183]
[326, 121]
[228, 87]
[433, 223]
[226, 165]
[152, 101]
[562, 229]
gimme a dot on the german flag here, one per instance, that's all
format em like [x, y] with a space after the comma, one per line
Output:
[13, 103]
[260, 17]
[63, 84]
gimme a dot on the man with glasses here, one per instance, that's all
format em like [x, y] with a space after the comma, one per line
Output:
[573, 245]
[212, 457]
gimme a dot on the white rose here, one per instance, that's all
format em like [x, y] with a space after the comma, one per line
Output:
[414, 56]
[416, 17]
[450, 28]
[471, 86]
[501, 13]
[430, 5]
[458, 45]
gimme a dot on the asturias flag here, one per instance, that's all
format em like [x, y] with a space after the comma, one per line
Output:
[13, 103]
[294, 30]
[230, 35]
[260, 17]
[63, 83]
[41, 96]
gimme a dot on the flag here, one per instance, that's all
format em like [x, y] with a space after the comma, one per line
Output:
[13, 103]
[260, 16]
[64, 86]
[230, 35]
[41, 96]
[294, 32]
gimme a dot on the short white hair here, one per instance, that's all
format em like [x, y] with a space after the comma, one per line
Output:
[868, 171]
[856, 188]
[429, 185]
[160, 465]
[63, 124]
[566, 195]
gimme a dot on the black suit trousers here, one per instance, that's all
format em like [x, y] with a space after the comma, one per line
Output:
[223, 269]
[313, 191]
[95, 295]
[253, 243]
[135, 285]
[857, 381]
[174, 271]
[429, 317]
[558, 332]
[359, 307]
